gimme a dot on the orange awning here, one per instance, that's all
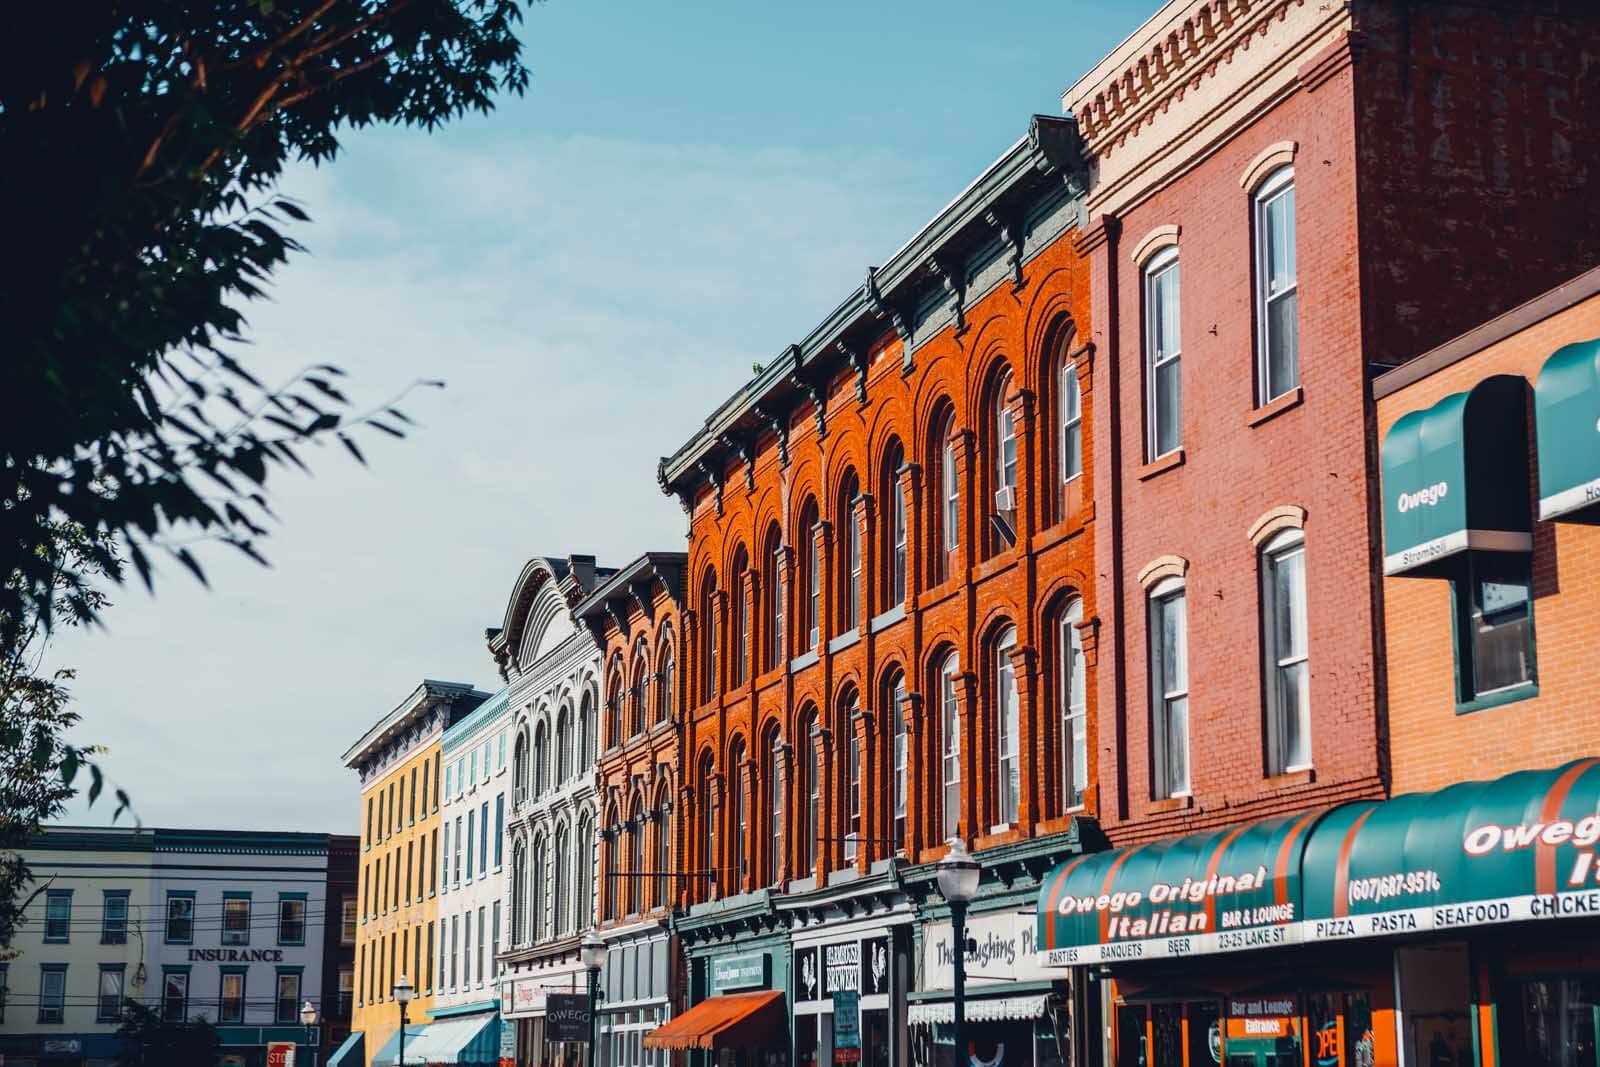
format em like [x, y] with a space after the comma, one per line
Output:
[736, 1020]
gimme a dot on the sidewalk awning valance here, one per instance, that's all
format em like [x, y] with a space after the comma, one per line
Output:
[472, 1041]
[389, 1054]
[1213, 892]
[1455, 479]
[1566, 400]
[733, 1020]
[1518, 848]
[1521, 848]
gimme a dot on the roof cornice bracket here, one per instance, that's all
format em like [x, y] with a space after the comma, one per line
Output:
[816, 391]
[954, 279]
[712, 472]
[778, 424]
[1010, 231]
[858, 361]
[685, 499]
[882, 309]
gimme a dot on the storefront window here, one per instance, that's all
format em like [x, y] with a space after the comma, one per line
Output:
[1131, 1051]
[1205, 1034]
[1552, 1023]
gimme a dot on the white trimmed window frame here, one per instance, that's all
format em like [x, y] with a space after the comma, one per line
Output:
[1157, 267]
[950, 744]
[1169, 693]
[1074, 699]
[1276, 189]
[1286, 655]
[1008, 725]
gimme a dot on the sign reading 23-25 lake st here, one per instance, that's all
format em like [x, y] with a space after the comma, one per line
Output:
[1521, 848]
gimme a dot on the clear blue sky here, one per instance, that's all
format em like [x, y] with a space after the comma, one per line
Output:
[685, 189]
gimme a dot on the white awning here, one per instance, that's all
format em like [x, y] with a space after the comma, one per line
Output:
[982, 1010]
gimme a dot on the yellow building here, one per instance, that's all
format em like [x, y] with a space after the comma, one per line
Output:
[398, 761]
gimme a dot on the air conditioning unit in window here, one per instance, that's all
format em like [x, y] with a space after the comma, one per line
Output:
[1005, 499]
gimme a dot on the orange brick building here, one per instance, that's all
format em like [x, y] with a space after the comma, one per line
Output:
[890, 607]
[635, 615]
[1491, 648]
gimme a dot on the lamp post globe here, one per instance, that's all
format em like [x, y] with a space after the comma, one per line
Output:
[958, 874]
[404, 994]
[592, 954]
[308, 1016]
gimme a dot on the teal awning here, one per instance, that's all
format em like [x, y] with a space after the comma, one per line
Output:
[473, 1040]
[350, 1053]
[1522, 848]
[1518, 848]
[1455, 479]
[1566, 400]
[389, 1054]
[1230, 889]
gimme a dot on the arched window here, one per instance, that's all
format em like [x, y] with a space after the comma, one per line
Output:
[564, 744]
[848, 532]
[1003, 457]
[708, 822]
[772, 597]
[811, 574]
[583, 877]
[846, 735]
[613, 865]
[666, 678]
[950, 740]
[894, 694]
[541, 759]
[1072, 692]
[615, 698]
[741, 814]
[809, 793]
[519, 765]
[563, 883]
[639, 690]
[895, 544]
[519, 894]
[1007, 728]
[663, 857]
[739, 619]
[710, 660]
[633, 887]
[586, 732]
[538, 878]
[770, 743]
[1069, 417]
[945, 497]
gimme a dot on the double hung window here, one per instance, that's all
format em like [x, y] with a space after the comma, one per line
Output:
[1494, 627]
[950, 735]
[1287, 666]
[108, 1004]
[235, 919]
[58, 915]
[1277, 332]
[180, 918]
[1162, 352]
[52, 992]
[1169, 688]
[1074, 698]
[114, 918]
[175, 996]
[287, 1002]
[1071, 408]
[291, 920]
[231, 998]
[1008, 726]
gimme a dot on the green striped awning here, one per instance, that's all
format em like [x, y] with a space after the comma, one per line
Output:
[1566, 401]
[1455, 479]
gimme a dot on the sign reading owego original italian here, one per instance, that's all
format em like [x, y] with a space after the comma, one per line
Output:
[1518, 849]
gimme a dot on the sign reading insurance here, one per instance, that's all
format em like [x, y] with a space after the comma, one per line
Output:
[1518, 849]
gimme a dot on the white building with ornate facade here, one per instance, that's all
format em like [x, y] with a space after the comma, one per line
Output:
[551, 666]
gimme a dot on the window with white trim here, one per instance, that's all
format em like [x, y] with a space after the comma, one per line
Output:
[1071, 409]
[1277, 329]
[1285, 652]
[950, 739]
[1008, 726]
[1169, 688]
[852, 747]
[1162, 349]
[1073, 680]
[899, 754]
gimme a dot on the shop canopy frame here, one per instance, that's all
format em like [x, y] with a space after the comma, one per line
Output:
[730, 1020]
[1521, 848]
[1455, 480]
[1566, 401]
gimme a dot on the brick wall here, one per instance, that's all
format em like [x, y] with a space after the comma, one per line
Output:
[1433, 746]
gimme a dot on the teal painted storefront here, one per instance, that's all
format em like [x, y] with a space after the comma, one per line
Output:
[738, 945]
[1567, 417]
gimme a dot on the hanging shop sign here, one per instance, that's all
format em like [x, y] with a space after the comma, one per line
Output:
[1004, 947]
[1517, 849]
[860, 965]
[842, 967]
[566, 1017]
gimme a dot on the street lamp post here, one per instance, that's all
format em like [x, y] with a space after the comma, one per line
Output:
[308, 1016]
[593, 955]
[404, 993]
[958, 884]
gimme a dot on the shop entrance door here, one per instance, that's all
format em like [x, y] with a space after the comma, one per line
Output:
[1169, 1034]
